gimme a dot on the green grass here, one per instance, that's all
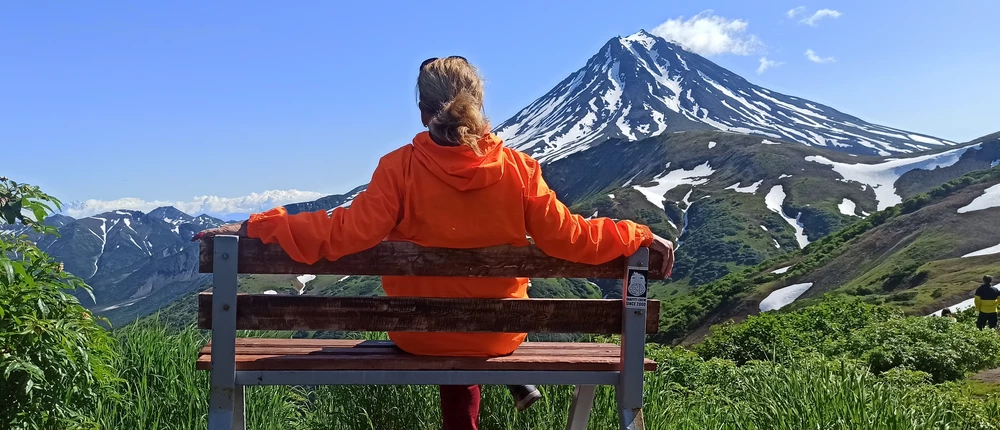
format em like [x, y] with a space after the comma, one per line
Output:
[162, 390]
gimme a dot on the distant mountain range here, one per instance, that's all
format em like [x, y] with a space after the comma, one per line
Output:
[736, 173]
[128, 256]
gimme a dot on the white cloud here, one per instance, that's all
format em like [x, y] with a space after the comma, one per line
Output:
[212, 205]
[767, 64]
[709, 34]
[792, 13]
[820, 14]
[811, 55]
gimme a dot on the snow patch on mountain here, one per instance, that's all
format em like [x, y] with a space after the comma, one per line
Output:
[749, 189]
[957, 307]
[671, 179]
[882, 176]
[711, 145]
[303, 280]
[782, 270]
[848, 207]
[989, 199]
[783, 296]
[774, 201]
[985, 251]
[684, 216]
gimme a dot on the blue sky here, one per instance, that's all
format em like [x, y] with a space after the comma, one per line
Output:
[201, 105]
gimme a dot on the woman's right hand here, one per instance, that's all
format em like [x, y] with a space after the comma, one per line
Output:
[665, 248]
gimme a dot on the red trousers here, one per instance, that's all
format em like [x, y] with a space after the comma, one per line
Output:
[460, 407]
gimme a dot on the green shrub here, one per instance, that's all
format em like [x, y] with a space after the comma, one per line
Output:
[879, 336]
[778, 335]
[944, 349]
[52, 351]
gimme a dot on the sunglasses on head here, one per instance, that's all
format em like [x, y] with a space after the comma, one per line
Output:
[433, 59]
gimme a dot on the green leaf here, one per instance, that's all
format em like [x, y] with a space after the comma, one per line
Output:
[19, 269]
[8, 270]
[39, 214]
[8, 214]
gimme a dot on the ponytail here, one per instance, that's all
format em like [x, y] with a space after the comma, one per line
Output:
[460, 121]
[451, 93]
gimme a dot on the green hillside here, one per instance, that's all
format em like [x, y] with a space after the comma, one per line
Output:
[908, 256]
[710, 190]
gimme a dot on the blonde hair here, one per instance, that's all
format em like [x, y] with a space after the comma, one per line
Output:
[450, 91]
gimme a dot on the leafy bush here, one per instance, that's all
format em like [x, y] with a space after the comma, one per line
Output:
[938, 346]
[52, 351]
[879, 336]
[779, 335]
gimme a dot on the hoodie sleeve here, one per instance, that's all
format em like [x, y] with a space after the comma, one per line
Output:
[562, 234]
[308, 237]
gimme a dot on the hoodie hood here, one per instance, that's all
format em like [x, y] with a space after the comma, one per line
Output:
[458, 166]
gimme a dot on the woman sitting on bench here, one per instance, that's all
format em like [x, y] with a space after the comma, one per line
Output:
[454, 186]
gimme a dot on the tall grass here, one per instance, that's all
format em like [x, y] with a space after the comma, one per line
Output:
[162, 390]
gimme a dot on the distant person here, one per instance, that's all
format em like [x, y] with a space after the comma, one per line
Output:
[946, 313]
[987, 297]
[454, 186]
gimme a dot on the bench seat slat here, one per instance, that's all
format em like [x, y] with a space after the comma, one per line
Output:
[409, 259]
[598, 350]
[258, 342]
[321, 354]
[423, 314]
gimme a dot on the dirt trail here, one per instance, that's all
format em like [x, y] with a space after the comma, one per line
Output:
[991, 376]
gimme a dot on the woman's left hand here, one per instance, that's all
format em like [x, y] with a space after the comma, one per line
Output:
[237, 229]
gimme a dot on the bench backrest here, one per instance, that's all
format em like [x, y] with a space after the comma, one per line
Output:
[285, 312]
[409, 259]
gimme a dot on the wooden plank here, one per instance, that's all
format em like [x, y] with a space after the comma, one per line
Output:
[353, 343]
[586, 349]
[424, 314]
[408, 259]
[405, 361]
[607, 352]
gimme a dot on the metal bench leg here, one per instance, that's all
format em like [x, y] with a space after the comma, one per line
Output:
[631, 418]
[579, 411]
[220, 409]
[629, 388]
[223, 391]
[239, 410]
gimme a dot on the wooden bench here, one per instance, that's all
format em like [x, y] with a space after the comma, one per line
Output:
[238, 362]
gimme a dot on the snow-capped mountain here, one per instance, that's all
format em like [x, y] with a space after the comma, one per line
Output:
[127, 256]
[642, 85]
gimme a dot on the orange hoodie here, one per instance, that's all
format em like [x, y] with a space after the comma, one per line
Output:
[446, 196]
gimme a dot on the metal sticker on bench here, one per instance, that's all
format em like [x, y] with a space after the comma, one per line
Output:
[636, 288]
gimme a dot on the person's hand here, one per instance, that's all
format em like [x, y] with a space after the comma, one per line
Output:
[665, 248]
[236, 229]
